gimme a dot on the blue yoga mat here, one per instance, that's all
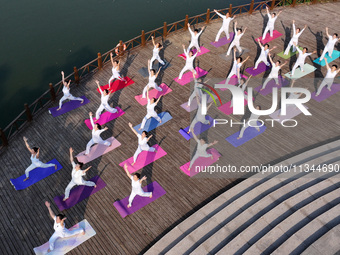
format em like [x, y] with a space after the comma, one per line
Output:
[68, 106]
[35, 175]
[198, 129]
[152, 123]
[249, 133]
[335, 56]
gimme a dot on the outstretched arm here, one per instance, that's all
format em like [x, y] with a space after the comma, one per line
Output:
[244, 30]
[259, 42]
[71, 155]
[327, 33]
[87, 169]
[190, 29]
[303, 29]
[209, 106]
[100, 89]
[153, 41]
[245, 60]
[48, 205]
[127, 171]
[272, 48]
[193, 134]
[285, 63]
[246, 83]
[158, 72]
[159, 99]
[111, 57]
[91, 119]
[149, 61]
[185, 51]
[278, 14]
[218, 13]
[270, 59]
[327, 65]
[63, 77]
[200, 32]
[141, 180]
[133, 130]
[212, 144]
[149, 137]
[235, 30]
[27, 145]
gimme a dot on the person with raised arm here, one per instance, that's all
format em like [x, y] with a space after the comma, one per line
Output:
[155, 53]
[150, 107]
[274, 72]
[35, 153]
[115, 71]
[270, 24]
[300, 62]
[332, 40]
[243, 85]
[194, 38]
[236, 69]
[66, 91]
[136, 184]
[60, 231]
[237, 38]
[295, 39]
[329, 78]
[264, 54]
[152, 81]
[96, 131]
[225, 25]
[105, 95]
[77, 176]
[197, 90]
[143, 140]
[189, 62]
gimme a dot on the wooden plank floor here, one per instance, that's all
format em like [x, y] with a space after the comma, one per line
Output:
[24, 219]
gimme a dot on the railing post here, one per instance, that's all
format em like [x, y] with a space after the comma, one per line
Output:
[207, 19]
[3, 138]
[28, 113]
[165, 30]
[186, 22]
[230, 9]
[143, 38]
[52, 92]
[293, 3]
[100, 61]
[272, 5]
[76, 75]
[251, 7]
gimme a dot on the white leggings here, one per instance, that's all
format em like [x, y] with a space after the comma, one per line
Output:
[222, 29]
[327, 49]
[69, 97]
[186, 68]
[142, 194]
[296, 66]
[231, 46]
[270, 29]
[323, 84]
[72, 184]
[196, 120]
[148, 116]
[106, 107]
[66, 233]
[264, 60]
[139, 150]
[91, 142]
[194, 44]
[156, 58]
[290, 45]
[268, 80]
[116, 76]
[193, 95]
[244, 129]
[197, 155]
[33, 166]
[151, 85]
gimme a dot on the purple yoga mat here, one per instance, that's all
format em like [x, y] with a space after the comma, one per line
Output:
[232, 81]
[203, 51]
[68, 106]
[291, 113]
[105, 118]
[261, 68]
[139, 202]
[78, 194]
[154, 93]
[188, 77]
[276, 34]
[325, 93]
[198, 129]
[269, 88]
[223, 41]
[249, 133]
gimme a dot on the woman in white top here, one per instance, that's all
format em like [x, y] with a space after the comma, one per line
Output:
[300, 62]
[274, 73]
[201, 150]
[225, 25]
[105, 95]
[197, 90]
[199, 117]
[115, 71]
[143, 140]
[152, 81]
[189, 62]
[236, 69]
[264, 54]
[332, 40]
[77, 176]
[194, 38]
[66, 91]
[155, 53]
[329, 78]
[295, 39]
[243, 85]
[35, 152]
[253, 118]
[136, 184]
[236, 41]
[151, 113]
[59, 228]
[270, 24]
[96, 131]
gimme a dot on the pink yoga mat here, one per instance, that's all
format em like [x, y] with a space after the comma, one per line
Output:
[276, 34]
[118, 85]
[226, 109]
[98, 150]
[144, 159]
[232, 81]
[292, 112]
[201, 162]
[193, 105]
[105, 118]
[154, 93]
[188, 77]
[203, 51]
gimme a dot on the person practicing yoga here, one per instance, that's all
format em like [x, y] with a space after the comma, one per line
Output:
[151, 113]
[189, 62]
[155, 53]
[236, 69]
[225, 25]
[115, 71]
[264, 54]
[274, 72]
[237, 38]
[332, 40]
[329, 78]
[194, 38]
[197, 90]
[152, 81]
[295, 39]
[243, 85]
[105, 95]
[300, 62]
[270, 24]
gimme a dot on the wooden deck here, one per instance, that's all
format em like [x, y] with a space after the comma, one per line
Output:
[25, 223]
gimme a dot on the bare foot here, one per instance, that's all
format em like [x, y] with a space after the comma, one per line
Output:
[48, 250]
[261, 89]
[95, 186]
[258, 130]
[160, 121]
[188, 105]
[139, 128]
[26, 179]
[133, 163]
[128, 206]
[82, 101]
[189, 169]
[329, 89]
[65, 199]
[212, 157]
[58, 109]
[238, 138]
[83, 232]
[55, 167]
[151, 195]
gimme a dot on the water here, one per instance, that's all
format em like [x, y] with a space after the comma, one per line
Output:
[40, 38]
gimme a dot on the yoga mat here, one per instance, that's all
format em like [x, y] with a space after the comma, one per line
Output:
[203, 51]
[298, 73]
[290, 53]
[335, 56]
[35, 175]
[156, 65]
[271, 84]
[248, 134]
[64, 245]
[117, 85]
[276, 34]
[238, 54]
[223, 40]
[291, 113]
[139, 202]
[226, 109]
[201, 162]
[98, 150]
[144, 159]
[193, 105]
[78, 194]
[232, 81]
[105, 118]
[325, 93]
[261, 68]
[198, 129]
[68, 106]
[152, 123]
[187, 77]
[154, 93]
